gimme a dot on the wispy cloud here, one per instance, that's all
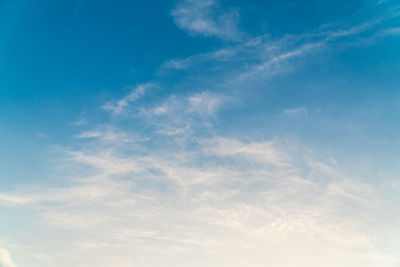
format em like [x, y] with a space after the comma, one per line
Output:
[111, 134]
[81, 120]
[203, 197]
[220, 194]
[296, 112]
[180, 114]
[5, 258]
[122, 104]
[262, 57]
[206, 18]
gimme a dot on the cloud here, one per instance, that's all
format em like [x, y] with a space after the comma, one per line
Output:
[110, 134]
[213, 198]
[201, 198]
[206, 18]
[264, 152]
[81, 121]
[204, 103]
[392, 31]
[5, 258]
[371, 40]
[296, 112]
[221, 55]
[180, 114]
[124, 103]
[194, 196]
[262, 57]
[278, 64]
[177, 64]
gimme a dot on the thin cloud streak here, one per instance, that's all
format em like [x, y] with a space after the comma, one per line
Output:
[262, 57]
[123, 103]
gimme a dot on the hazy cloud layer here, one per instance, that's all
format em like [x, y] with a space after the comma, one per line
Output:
[156, 183]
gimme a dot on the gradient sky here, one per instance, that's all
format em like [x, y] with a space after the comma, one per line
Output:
[202, 133]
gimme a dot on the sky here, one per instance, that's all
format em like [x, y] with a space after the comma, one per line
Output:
[199, 133]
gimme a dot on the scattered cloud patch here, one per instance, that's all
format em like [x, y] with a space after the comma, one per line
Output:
[204, 103]
[179, 114]
[264, 152]
[123, 104]
[5, 258]
[207, 18]
[296, 112]
[110, 134]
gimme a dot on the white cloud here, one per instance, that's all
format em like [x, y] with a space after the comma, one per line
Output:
[124, 103]
[110, 134]
[264, 152]
[278, 63]
[204, 103]
[177, 64]
[180, 114]
[296, 112]
[5, 258]
[205, 17]
[221, 55]
[211, 200]
[262, 57]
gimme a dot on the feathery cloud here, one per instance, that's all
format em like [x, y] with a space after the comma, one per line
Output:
[221, 194]
[5, 258]
[124, 103]
[206, 18]
[206, 198]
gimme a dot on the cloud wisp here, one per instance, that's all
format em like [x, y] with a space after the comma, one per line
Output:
[207, 18]
[257, 59]
[5, 258]
[122, 104]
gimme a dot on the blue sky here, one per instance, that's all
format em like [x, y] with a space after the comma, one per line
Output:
[199, 133]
